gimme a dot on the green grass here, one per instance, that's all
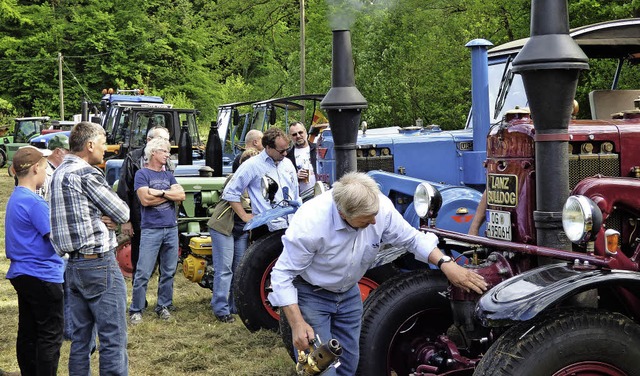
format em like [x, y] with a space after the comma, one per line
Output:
[192, 342]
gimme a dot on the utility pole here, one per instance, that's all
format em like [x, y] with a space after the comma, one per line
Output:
[302, 50]
[61, 86]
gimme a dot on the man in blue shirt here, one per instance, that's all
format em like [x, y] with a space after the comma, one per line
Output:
[36, 271]
[270, 162]
[331, 242]
[158, 192]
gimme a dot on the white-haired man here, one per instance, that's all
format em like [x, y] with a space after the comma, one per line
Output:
[134, 161]
[331, 242]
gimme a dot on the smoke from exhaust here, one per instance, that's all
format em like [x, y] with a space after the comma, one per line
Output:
[342, 13]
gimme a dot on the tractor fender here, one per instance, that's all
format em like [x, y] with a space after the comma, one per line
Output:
[269, 215]
[459, 206]
[524, 296]
[459, 203]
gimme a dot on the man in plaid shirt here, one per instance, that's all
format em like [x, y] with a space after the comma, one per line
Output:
[84, 215]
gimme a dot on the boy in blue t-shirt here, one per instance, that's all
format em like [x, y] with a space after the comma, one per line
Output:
[36, 271]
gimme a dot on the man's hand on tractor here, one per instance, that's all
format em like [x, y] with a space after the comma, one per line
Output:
[464, 278]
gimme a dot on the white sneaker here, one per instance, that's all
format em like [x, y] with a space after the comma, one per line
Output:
[164, 313]
[135, 318]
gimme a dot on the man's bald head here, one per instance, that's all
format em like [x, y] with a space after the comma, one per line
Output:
[253, 140]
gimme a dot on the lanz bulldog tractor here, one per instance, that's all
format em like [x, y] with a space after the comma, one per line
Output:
[562, 246]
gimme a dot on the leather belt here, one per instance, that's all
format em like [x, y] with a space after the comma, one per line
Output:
[78, 255]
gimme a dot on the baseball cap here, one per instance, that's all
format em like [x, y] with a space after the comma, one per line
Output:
[27, 156]
[58, 141]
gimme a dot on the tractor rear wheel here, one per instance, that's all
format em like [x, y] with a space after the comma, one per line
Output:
[566, 342]
[252, 283]
[3, 158]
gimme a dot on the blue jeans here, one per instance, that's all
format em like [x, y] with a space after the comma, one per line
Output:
[226, 252]
[334, 315]
[98, 296]
[155, 243]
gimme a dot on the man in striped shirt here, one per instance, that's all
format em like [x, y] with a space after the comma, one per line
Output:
[270, 162]
[84, 215]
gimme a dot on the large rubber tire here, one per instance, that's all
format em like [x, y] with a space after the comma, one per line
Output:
[252, 283]
[566, 342]
[3, 158]
[371, 280]
[405, 309]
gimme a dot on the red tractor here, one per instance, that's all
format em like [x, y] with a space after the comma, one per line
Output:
[563, 232]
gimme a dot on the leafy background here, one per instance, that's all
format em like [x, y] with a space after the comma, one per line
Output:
[409, 55]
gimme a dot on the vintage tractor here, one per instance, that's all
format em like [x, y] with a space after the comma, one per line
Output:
[23, 131]
[128, 117]
[553, 308]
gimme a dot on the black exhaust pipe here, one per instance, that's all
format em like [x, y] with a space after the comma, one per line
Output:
[343, 103]
[550, 63]
[213, 150]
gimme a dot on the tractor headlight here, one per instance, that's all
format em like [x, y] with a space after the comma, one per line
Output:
[427, 200]
[581, 219]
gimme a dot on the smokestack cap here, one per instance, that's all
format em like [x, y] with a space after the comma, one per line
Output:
[346, 97]
[550, 51]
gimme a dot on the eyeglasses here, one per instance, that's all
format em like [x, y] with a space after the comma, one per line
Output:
[301, 133]
[283, 151]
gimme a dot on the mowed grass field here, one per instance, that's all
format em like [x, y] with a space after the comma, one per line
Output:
[192, 342]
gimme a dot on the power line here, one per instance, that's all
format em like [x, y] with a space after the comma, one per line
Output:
[78, 82]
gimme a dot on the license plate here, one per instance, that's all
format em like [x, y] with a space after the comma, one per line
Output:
[498, 225]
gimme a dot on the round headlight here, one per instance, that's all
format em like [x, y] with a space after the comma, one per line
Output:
[581, 219]
[427, 200]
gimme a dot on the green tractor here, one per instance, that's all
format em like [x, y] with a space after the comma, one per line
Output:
[24, 130]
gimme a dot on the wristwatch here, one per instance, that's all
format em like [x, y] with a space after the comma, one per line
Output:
[443, 260]
[163, 192]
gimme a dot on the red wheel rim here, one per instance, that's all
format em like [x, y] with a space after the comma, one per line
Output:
[590, 368]
[123, 255]
[366, 285]
[265, 289]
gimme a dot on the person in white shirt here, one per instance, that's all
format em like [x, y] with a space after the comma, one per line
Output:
[331, 242]
[303, 156]
[270, 162]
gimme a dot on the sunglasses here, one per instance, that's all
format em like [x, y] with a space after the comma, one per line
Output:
[283, 151]
[301, 133]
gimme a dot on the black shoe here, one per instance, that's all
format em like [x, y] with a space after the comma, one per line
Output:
[226, 318]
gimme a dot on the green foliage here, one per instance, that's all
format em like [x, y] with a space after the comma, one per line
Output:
[409, 55]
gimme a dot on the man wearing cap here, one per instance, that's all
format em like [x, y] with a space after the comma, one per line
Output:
[59, 147]
[84, 214]
[36, 271]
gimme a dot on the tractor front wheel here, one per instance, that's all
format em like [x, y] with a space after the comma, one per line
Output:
[566, 342]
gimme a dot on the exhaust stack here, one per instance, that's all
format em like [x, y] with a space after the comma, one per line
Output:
[550, 63]
[343, 103]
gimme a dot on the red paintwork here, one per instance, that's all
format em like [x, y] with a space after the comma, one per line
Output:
[511, 150]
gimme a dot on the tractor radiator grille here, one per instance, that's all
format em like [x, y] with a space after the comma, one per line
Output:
[382, 162]
[585, 165]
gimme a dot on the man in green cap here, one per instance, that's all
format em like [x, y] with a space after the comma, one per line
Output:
[59, 146]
